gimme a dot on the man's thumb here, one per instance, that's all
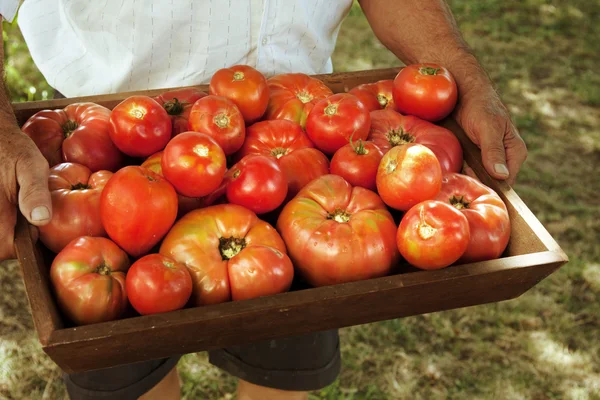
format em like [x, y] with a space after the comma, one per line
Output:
[34, 197]
[494, 155]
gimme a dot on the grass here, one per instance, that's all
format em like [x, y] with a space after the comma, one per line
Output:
[543, 345]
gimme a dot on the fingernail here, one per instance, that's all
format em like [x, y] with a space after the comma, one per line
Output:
[501, 169]
[40, 213]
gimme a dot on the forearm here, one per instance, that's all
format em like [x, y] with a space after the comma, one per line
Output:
[7, 116]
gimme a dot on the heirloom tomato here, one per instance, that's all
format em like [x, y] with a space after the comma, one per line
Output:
[488, 218]
[389, 129]
[88, 277]
[375, 96]
[337, 233]
[78, 134]
[178, 103]
[230, 253]
[75, 191]
[357, 163]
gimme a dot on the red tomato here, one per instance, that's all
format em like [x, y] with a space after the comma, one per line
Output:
[389, 129]
[194, 164]
[427, 91]
[137, 207]
[178, 104]
[489, 222]
[357, 164]
[88, 277]
[375, 96]
[227, 249]
[157, 284]
[408, 175]
[293, 95]
[139, 126]
[75, 193]
[245, 86]
[219, 118]
[288, 143]
[432, 235]
[257, 183]
[337, 233]
[337, 119]
[78, 134]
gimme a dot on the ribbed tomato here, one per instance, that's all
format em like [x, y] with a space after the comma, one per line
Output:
[375, 96]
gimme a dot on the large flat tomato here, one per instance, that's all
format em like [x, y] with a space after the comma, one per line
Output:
[194, 164]
[137, 207]
[178, 104]
[375, 96]
[488, 218]
[408, 175]
[427, 91]
[288, 143]
[335, 120]
[432, 235]
[245, 86]
[88, 277]
[139, 126]
[389, 129]
[158, 284]
[221, 119]
[78, 134]
[75, 193]
[293, 95]
[357, 163]
[337, 233]
[230, 253]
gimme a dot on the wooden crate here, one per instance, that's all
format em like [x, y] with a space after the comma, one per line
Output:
[532, 254]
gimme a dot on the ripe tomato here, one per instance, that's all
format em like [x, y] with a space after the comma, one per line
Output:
[389, 129]
[408, 175]
[137, 207]
[228, 250]
[337, 233]
[489, 222]
[219, 118]
[139, 126]
[427, 91]
[357, 164]
[75, 193]
[78, 134]
[245, 86]
[257, 183]
[290, 146]
[88, 277]
[432, 235]
[375, 96]
[194, 164]
[335, 120]
[178, 103]
[157, 284]
[293, 95]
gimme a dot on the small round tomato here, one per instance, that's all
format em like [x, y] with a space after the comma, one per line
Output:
[178, 104]
[194, 164]
[427, 91]
[139, 126]
[357, 163]
[245, 86]
[375, 96]
[257, 183]
[88, 277]
[157, 284]
[335, 120]
[489, 222]
[75, 193]
[432, 235]
[221, 119]
[408, 175]
[389, 129]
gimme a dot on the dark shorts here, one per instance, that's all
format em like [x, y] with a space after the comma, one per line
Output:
[307, 362]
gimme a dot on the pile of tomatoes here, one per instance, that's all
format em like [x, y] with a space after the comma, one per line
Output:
[192, 198]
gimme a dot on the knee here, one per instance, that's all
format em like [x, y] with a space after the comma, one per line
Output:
[250, 391]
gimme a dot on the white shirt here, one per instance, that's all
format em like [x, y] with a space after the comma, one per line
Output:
[85, 47]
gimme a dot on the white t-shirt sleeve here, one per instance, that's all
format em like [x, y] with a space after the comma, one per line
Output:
[8, 9]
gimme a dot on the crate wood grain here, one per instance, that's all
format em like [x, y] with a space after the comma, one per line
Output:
[532, 255]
